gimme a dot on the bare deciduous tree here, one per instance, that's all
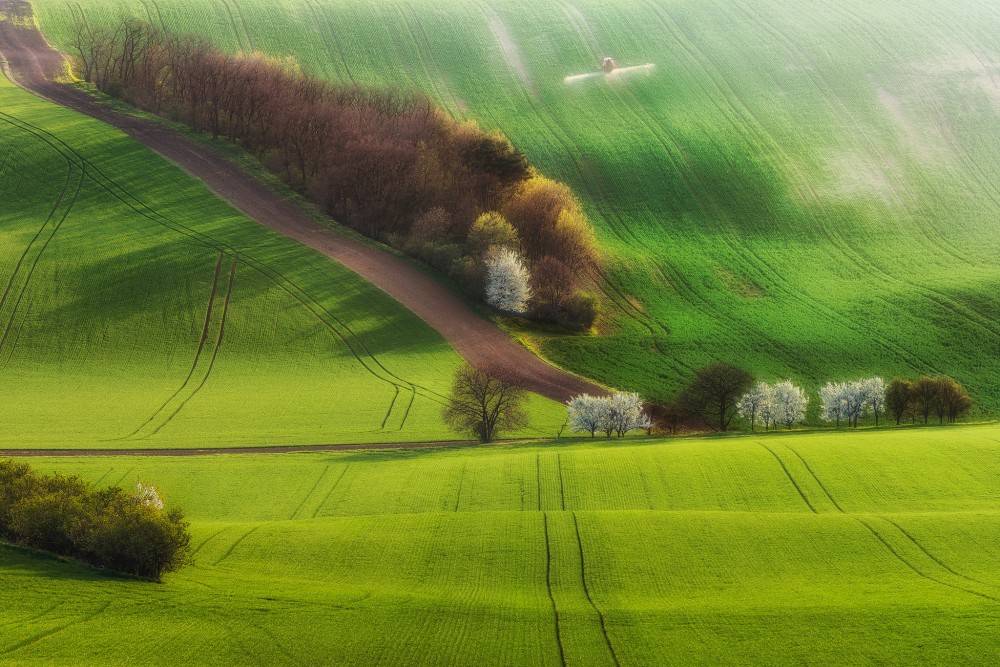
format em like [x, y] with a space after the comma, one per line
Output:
[485, 402]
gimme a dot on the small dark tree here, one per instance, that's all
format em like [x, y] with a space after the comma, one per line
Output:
[924, 394]
[713, 393]
[666, 418]
[485, 402]
[952, 400]
[897, 397]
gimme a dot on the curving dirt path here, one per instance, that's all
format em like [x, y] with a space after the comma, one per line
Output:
[33, 65]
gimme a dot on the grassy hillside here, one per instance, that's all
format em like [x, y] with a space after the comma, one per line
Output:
[136, 309]
[784, 549]
[809, 188]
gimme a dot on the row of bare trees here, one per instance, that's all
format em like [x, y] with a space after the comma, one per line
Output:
[376, 159]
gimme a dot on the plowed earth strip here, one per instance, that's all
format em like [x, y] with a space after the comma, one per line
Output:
[33, 65]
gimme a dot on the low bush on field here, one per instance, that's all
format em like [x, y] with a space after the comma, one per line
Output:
[109, 528]
[392, 165]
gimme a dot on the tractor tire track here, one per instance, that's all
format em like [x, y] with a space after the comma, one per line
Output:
[791, 479]
[329, 493]
[548, 583]
[586, 590]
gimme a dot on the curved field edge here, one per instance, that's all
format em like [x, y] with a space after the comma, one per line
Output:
[807, 190]
[140, 311]
[702, 551]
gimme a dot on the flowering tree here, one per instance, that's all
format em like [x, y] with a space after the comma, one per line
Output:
[758, 402]
[626, 413]
[874, 395]
[588, 414]
[790, 403]
[613, 415]
[508, 283]
[831, 397]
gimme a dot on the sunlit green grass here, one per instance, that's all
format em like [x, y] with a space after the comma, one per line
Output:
[806, 188]
[874, 547]
[138, 310]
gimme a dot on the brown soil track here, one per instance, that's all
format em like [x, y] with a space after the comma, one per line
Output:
[34, 65]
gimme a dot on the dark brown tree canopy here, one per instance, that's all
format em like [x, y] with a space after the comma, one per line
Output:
[898, 396]
[713, 393]
[485, 402]
[378, 160]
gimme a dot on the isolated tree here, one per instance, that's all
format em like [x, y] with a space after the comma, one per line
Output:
[756, 403]
[897, 398]
[874, 391]
[924, 393]
[713, 394]
[833, 406]
[790, 403]
[508, 283]
[485, 402]
[588, 414]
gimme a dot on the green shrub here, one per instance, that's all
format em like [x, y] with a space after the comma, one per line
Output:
[109, 528]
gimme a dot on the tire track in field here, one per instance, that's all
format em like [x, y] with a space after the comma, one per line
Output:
[232, 24]
[791, 479]
[750, 123]
[201, 345]
[310, 492]
[52, 631]
[586, 590]
[243, 23]
[934, 558]
[426, 56]
[859, 258]
[328, 319]
[548, 584]
[899, 556]
[235, 544]
[336, 51]
[896, 552]
[461, 482]
[26, 256]
[329, 493]
[167, 411]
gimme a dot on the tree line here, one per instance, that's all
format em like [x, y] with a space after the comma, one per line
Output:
[387, 163]
[109, 528]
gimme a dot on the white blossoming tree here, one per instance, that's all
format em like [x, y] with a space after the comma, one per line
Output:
[588, 414]
[758, 403]
[874, 395]
[790, 403]
[832, 402]
[617, 414]
[626, 413]
[508, 282]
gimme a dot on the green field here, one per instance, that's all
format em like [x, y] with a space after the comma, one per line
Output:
[809, 188]
[137, 310]
[878, 548]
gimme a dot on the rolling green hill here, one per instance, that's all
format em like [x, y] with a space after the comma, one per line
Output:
[783, 549]
[805, 187]
[137, 310]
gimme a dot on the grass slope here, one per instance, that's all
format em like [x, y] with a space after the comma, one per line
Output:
[809, 188]
[136, 309]
[874, 547]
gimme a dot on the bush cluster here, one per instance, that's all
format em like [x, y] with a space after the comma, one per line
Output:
[391, 165]
[109, 528]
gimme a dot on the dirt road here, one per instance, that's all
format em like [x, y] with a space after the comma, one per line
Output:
[33, 65]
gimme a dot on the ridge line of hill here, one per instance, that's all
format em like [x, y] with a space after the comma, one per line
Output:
[35, 66]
